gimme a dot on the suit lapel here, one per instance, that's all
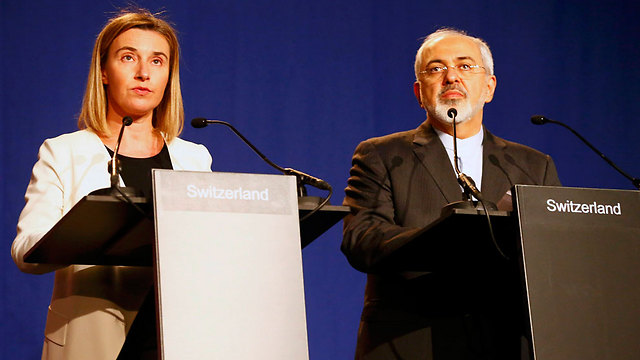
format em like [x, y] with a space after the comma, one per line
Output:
[432, 154]
[495, 183]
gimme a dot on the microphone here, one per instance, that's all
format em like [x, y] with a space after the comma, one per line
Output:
[301, 177]
[469, 186]
[308, 179]
[465, 181]
[452, 113]
[113, 166]
[199, 123]
[541, 120]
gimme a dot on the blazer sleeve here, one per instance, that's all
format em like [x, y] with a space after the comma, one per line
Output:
[43, 208]
[370, 232]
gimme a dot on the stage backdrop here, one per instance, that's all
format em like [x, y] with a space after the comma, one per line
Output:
[306, 81]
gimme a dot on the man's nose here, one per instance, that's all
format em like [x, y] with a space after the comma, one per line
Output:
[451, 75]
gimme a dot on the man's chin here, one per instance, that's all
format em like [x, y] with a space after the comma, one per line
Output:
[439, 119]
[452, 101]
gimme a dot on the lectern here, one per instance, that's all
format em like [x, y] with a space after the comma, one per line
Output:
[226, 248]
[580, 251]
[574, 254]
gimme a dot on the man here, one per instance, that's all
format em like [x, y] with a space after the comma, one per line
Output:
[400, 182]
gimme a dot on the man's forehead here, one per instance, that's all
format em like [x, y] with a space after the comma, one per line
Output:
[451, 47]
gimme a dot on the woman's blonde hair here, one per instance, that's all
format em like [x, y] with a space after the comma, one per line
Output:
[168, 116]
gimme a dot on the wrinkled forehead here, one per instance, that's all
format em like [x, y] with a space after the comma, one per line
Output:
[451, 48]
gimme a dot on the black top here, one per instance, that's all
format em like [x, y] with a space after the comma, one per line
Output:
[136, 172]
[141, 342]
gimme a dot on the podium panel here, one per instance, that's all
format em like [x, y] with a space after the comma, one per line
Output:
[581, 257]
[229, 266]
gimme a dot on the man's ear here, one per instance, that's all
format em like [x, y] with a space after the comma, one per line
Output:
[491, 84]
[416, 92]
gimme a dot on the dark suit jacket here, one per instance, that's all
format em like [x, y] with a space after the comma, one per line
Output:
[399, 183]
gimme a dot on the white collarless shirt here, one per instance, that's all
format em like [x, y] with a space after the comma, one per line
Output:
[469, 154]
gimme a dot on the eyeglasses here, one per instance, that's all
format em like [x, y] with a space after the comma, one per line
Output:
[464, 70]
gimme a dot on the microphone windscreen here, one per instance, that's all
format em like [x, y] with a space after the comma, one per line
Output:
[127, 120]
[494, 160]
[452, 113]
[199, 122]
[539, 120]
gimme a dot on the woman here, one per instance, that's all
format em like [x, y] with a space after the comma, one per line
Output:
[134, 72]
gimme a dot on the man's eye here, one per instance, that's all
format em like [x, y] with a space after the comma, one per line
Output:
[465, 67]
[436, 69]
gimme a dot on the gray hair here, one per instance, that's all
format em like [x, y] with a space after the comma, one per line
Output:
[487, 58]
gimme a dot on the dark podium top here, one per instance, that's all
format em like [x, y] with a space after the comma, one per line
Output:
[457, 240]
[104, 230]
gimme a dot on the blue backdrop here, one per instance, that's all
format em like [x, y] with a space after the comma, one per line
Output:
[306, 81]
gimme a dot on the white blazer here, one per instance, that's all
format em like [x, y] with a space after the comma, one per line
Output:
[92, 307]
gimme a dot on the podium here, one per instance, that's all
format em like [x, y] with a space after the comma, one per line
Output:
[106, 230]
[227, 250]
[580, 250]
[574, 253]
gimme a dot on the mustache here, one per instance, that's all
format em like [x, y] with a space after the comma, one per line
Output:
[456, 87]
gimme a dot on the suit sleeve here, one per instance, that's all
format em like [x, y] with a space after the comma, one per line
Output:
[43, 208]
[370, 231]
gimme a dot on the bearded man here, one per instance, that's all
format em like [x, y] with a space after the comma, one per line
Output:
[399, 183]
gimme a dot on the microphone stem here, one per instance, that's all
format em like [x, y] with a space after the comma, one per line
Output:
[301, 177]
[246, 141]
[455, 147]
[114, 159]
[636, 182]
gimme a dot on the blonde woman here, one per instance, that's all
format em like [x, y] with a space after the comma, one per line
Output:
[134, 72]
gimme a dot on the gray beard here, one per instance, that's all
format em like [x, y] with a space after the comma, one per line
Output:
[462, 106]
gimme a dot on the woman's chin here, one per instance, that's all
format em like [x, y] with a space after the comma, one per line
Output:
[137, 112]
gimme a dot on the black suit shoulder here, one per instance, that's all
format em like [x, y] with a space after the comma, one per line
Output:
[525, 164]
[524, 151]
[394, 138]
[389, 143]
